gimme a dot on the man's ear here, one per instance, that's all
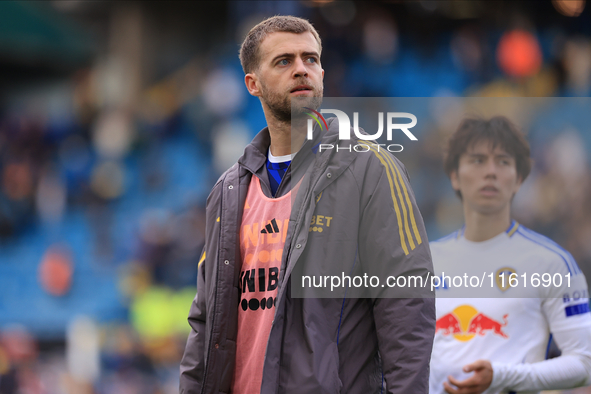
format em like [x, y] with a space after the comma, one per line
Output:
[252, 84]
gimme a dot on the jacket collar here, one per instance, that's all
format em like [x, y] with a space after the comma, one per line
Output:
[255, 153]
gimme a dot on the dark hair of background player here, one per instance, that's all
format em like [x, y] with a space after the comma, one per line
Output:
[498, 131]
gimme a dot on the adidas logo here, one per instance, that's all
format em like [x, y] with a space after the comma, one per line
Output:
[270, 228]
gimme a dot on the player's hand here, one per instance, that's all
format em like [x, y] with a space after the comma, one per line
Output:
[475, 384]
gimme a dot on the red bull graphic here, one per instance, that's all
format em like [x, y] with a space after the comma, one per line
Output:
[448, 324]
[482, 323]
[465, 322]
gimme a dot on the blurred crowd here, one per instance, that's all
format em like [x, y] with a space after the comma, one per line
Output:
[105, 168]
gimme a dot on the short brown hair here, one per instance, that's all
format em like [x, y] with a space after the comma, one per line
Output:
[249, 51]
[499, 131]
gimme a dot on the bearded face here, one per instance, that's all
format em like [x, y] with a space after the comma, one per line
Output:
[281, 103]
[289, 75]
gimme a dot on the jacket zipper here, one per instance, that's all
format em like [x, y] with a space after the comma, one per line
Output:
[299, 225]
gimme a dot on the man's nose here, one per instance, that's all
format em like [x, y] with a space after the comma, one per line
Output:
[300, 69]
[491, 168]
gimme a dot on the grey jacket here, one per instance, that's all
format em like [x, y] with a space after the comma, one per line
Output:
[319, 345]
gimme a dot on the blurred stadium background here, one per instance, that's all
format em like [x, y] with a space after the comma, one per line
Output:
[116, 118]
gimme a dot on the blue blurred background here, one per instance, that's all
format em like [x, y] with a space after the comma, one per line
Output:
[116, 118]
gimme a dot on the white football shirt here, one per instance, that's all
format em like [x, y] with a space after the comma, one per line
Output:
[511, 327]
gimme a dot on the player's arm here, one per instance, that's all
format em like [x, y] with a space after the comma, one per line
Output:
[193, 362]
[405, 326]
[570, 323]
[571, 369]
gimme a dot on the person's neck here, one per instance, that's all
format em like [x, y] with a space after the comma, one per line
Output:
[283, 141]
[482, 227]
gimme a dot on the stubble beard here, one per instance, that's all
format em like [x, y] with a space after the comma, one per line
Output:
[281, 106]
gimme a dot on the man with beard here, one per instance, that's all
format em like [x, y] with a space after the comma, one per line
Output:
[267, 213]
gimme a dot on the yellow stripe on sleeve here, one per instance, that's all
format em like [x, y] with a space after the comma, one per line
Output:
[408, 202]
[400, 198]
[400, 231]
[201, 260]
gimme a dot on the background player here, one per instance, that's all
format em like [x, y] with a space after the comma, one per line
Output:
[499, 344]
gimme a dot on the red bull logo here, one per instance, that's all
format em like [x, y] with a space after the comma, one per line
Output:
[465, 322]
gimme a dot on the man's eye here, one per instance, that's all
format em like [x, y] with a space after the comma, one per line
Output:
[312, 60]
[283, 62]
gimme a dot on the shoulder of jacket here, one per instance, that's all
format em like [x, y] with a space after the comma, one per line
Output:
[218, 184]
[379, 158]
